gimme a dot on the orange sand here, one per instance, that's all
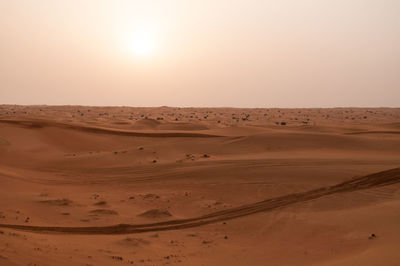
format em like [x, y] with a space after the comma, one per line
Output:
[199, 186]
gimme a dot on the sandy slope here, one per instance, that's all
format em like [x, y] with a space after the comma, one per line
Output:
[196, 186]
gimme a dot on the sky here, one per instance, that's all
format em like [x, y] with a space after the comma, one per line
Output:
[209, 53]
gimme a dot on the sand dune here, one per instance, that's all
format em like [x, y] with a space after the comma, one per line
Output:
[199, 186]
[41, 124]
[366, 182]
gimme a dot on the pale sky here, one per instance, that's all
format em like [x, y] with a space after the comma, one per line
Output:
[248, 53]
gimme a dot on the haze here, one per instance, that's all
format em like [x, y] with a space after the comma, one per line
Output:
[284, 53]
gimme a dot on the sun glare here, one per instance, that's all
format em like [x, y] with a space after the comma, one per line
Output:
[142, 42]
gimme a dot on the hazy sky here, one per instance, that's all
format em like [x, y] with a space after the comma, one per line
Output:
[249, 53]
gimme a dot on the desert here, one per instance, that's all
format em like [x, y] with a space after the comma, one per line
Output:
[199, 133]
[86, 185]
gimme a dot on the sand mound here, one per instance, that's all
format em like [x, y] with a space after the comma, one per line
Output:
[4, 142]
[100, 203]
[57, 202]
[156, 213]
[147, 123]
[150, 196]
[104, 211]
[135, 242]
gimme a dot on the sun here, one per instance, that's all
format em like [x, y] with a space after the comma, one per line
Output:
[142, 42]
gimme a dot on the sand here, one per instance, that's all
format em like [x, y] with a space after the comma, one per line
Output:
[86, 185]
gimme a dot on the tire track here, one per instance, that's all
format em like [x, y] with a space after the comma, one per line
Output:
[383, 178]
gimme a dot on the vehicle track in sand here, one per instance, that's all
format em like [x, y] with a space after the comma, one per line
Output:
[383, 178]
